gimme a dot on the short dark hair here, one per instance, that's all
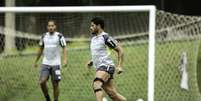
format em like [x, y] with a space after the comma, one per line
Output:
[51, 20]
[98, 21]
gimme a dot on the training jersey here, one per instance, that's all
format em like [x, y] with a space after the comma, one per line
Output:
[52, 44]
[100, 45]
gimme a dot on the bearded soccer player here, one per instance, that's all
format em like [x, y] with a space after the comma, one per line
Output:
[101, 60]
[50, 44]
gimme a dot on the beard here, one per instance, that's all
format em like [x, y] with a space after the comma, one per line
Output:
[94, 32]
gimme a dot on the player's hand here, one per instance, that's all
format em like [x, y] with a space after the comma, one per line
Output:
[64, 63]
[35, 65]
[119, 70]
[89, 63]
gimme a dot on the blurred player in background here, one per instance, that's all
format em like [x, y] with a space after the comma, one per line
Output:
[101, 42]
[50, 44]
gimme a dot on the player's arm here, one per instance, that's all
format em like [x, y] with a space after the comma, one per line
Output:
[65, 56]
[90, 62]
[63, 45]
[40, 51]
[120, 54]
[110, 42]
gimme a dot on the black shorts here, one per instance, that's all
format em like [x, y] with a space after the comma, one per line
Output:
[109, 69]
[53, 71]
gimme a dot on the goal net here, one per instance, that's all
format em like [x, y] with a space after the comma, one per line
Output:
[175, 34]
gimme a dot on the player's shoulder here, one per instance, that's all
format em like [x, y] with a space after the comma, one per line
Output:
[59, 34]
[44, 34]
[105, 35]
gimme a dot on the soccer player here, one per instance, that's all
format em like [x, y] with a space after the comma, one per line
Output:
[101, 60]
[50, 44]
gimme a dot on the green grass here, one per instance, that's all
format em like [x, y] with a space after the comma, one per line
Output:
[18, 79]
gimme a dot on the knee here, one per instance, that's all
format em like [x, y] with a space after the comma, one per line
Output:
[97, 84]
[42, 82]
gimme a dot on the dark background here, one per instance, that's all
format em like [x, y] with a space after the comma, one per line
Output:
[187, 7]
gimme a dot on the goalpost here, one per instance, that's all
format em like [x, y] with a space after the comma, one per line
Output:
[85, 9]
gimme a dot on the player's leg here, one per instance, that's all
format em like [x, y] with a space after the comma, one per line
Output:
[55, 85]
[112, 92]
[56, 77]
[100, 78]
[44, 75]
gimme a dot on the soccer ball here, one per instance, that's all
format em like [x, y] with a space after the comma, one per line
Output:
[139, 99]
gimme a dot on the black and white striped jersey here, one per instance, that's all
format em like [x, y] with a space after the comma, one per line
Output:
[100, 49]
[52, 44]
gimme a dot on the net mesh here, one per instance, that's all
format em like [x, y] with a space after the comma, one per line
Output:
[174, 34]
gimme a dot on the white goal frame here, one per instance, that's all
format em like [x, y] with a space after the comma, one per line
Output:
[152, 14]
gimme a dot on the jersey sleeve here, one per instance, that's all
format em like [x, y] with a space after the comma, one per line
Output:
[62, 40]
[41, 42]
[110, 42]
